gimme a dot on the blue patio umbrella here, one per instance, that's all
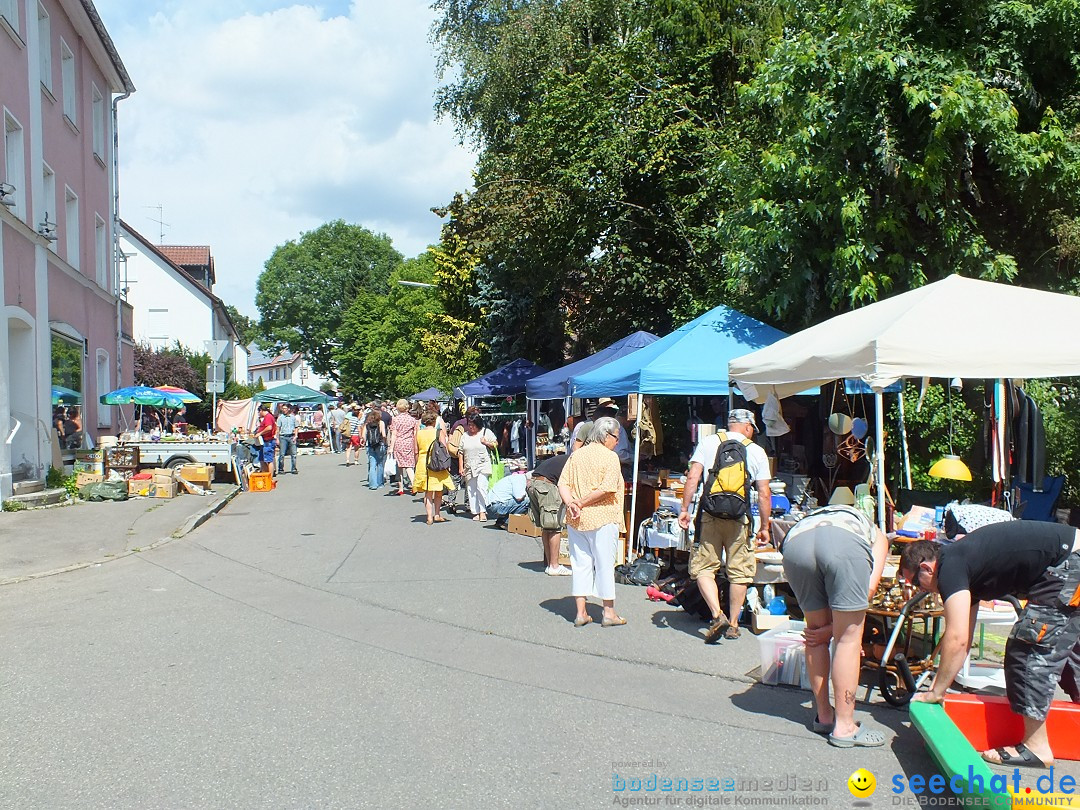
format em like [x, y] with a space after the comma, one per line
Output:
[65, 396]
[141, 395]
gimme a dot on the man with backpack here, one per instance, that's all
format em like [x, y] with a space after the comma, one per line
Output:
[730, 463]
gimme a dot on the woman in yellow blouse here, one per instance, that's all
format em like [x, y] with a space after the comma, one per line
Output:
[591, 486]
[430, 482]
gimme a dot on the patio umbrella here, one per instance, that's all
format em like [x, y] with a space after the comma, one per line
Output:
[65, 396]
[141, 395]
[185, 396]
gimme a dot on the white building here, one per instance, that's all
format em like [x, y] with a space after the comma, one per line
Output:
[286, 367]
[169, 288]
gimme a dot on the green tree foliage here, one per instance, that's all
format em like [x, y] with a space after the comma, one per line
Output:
[247, 328]
[382, 352]
[308, 285]
[906, 141]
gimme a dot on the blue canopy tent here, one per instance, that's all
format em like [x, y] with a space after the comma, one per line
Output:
[428, 393]
[686, 362]
[556, 384]
[507, 381]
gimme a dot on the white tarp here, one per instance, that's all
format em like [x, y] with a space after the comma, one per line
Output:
[957, 327]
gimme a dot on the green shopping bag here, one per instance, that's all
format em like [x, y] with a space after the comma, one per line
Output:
[498, 469]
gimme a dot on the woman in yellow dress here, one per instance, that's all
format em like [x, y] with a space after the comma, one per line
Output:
[432, 483]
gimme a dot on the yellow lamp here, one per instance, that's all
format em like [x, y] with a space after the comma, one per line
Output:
[842, 496]
[950, 467]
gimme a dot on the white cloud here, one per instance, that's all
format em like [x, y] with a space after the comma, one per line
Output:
[256, 121]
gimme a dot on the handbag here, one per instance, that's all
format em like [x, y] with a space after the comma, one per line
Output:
[438, 457]
[498, 469]
[259, 442]
[390, 465]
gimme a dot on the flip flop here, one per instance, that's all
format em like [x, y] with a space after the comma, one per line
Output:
[1024, 758]
[583, 622]
[863, 738]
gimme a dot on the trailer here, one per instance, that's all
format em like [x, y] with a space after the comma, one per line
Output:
[174, 454]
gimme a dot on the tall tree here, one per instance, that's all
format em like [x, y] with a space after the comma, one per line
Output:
[907, 141]
[246, 327]
[308, 284]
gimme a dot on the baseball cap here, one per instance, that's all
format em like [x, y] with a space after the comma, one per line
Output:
[739, 416]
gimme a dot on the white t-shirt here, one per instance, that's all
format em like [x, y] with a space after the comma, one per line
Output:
[757, 463]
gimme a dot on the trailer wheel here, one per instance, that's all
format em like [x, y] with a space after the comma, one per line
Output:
[179, 461]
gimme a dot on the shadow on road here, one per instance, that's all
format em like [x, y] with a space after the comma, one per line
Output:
[566, 609]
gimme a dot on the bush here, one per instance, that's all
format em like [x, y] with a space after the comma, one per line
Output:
[13, 506]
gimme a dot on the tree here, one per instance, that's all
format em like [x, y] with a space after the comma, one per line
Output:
[382, 350]
[907, 141]
[246, 328]
[307, 286]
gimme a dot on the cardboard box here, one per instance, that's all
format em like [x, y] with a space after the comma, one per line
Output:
[84, 478]
[140, 487]
[201, 474]
[89, 467]
[165, 490]
[760, 622]
[521, 524]
[163, 478]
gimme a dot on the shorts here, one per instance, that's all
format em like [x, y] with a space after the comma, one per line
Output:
[829, 567]
[354, 441]
[732, 537]
[268, 451]
[1041, 641]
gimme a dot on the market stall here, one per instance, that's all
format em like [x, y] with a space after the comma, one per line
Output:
[956, 327]
[506, 381]
[556, 384]
[429, 394]
[687, 362]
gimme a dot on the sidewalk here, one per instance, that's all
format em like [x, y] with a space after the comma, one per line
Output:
[40, 542]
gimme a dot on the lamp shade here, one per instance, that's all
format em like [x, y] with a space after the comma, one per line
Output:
[842, 496]
[950, 467]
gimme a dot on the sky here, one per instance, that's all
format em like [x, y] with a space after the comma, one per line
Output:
[254, 121]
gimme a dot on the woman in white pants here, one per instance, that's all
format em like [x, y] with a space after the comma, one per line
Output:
[475, 464]
[591, 486]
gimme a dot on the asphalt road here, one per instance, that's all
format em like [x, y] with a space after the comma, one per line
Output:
[320, 646]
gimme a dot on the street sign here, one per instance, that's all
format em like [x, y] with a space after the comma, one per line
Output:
[215, 378]
[216, 348]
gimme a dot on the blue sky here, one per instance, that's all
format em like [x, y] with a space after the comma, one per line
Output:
[255, 120]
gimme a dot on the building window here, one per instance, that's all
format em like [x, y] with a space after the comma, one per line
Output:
[99, 122]
[44, 47]
[9, 12]
[101, 254]
[157, 327]
[71, 226]
[14, 165]
[48, 183]
[103, 387]
[67, 71]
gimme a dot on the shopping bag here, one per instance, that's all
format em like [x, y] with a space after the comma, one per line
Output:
[390, 465]
[498, 470]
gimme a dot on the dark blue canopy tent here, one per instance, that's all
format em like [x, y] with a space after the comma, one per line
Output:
[429, 393]
[507, 381]
[556, 384]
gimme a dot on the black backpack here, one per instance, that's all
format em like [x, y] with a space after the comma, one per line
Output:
[373, 438]
[727, 489]
[438, 457]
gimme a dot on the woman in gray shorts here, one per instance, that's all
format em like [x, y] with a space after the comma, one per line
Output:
[833, 560]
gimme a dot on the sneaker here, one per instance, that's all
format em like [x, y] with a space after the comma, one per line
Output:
[716, 629]
[558, 571]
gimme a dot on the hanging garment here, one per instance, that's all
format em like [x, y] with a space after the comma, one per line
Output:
[1036, 445]
[1021, 469]
[773, 417]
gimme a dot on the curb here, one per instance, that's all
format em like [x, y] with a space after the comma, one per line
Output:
[187, 527]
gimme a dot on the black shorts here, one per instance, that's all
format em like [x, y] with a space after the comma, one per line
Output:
[1041, 641]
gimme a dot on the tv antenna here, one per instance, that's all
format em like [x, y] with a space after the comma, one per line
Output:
[161, 225]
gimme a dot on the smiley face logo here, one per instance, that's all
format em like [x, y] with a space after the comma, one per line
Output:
[862, 784]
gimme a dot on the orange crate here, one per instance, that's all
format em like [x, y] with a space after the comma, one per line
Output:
[261, 482]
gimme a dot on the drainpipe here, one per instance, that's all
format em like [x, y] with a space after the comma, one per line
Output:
[116, 240]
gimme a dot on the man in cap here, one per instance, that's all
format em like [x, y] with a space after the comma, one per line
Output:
[721, 542]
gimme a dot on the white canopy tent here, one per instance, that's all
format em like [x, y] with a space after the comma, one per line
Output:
[957, 327]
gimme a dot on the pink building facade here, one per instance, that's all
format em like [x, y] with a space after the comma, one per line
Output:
[65, 334]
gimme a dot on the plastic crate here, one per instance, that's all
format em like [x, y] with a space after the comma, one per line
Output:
[783, 655]
[261, 482]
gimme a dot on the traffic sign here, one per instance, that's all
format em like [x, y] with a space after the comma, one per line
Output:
[216, 348]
